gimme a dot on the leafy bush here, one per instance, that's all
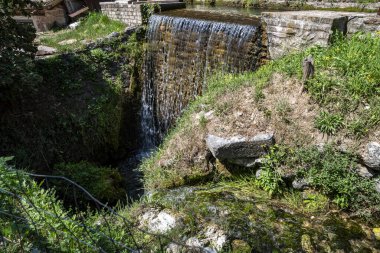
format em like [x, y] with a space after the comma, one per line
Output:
[334, 173]
[104, 183]
[329, 171]
[17, 50]
[270, 179]
[32, 219]
[147, 10]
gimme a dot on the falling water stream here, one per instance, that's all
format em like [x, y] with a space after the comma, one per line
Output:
[183, 52]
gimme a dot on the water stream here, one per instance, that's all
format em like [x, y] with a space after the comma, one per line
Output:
[185, 48]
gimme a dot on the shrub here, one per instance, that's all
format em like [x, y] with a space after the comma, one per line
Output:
[270, 179]
[333, 173]
[104, 183]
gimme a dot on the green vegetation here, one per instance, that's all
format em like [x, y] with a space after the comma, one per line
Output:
[237, 207]
[329, 171]
[147, 10]
[345, 91]
[92, 27]
[16, 53]
[346, 84]
[270, 179]
[104, 183]
[328, 123]
[80, 110]
[32, 218]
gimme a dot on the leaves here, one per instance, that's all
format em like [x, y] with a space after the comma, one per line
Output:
[16, 50]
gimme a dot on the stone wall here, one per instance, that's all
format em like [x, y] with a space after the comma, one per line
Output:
[127, 12]
[45, 19]
[322, 4]
[296, 30]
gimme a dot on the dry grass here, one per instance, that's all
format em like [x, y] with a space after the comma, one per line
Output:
[285, 111]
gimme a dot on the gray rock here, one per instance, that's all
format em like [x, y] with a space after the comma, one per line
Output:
[113, 35]
[216, 237]
[67, 42]
[300, 184]
[248, 162]
[363, 171]
[320, 147]
[173, 248]
[287, 173]
[45, 50]
[158, 221]
[239, 150]
[258, 173]
[371, 156]
[74, 25]
[194, 242]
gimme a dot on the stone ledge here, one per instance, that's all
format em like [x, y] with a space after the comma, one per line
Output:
[295, 30]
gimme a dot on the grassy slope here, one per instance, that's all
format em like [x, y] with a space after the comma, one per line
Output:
[340, 106]
[92, 27]
[237, 205]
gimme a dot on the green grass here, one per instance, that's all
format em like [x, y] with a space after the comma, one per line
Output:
[92, 27]
[345, 86]
[330, 172]
[236, 205]
[104, 183]
[347, 81]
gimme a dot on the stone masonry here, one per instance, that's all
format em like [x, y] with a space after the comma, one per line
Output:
[296, 30]
[127, 12]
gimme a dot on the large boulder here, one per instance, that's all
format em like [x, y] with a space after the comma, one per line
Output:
[371, 156]
[240, 150]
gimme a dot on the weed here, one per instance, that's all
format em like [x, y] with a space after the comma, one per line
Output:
[308, 201]
[147, 10]
[270, 179]
[329, 123]
[283, 109]
[203, 121]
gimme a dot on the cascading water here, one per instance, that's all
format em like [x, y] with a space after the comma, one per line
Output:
[182, 53]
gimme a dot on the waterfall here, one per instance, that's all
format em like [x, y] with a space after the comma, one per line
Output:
[182, 52]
